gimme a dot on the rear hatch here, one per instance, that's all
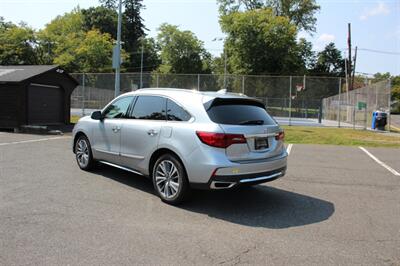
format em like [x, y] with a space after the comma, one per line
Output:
[246, 117]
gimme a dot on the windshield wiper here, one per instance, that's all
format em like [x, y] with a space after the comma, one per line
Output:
[252, 122]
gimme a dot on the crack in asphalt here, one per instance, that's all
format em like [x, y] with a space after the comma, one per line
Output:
[237, 259]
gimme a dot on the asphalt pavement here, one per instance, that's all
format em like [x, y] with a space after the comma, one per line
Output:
[335, 206]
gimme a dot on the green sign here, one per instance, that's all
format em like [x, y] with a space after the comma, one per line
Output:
[362, 105]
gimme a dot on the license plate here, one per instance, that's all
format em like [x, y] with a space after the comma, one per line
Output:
[261, 143]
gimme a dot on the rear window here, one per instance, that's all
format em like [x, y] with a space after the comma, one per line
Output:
[234, 112]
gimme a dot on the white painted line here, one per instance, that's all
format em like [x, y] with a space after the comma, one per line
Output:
[289, 148]
[390, 169]
[31, 140]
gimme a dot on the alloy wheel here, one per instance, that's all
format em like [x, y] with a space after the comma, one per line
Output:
[82, 153]
[167, 179]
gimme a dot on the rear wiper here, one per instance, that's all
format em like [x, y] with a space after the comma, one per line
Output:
[252, 122]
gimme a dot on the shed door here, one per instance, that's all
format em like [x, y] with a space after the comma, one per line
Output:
[45, 104]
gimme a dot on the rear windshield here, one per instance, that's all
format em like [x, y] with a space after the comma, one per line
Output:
[239, 113]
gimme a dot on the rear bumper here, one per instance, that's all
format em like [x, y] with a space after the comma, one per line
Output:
[245, 174]
[224, 182]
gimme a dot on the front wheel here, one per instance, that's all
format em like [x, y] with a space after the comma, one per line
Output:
[83, 153]
[170, 180]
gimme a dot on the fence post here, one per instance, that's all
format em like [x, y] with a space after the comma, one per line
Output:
[198, 82]
[354, 110]
[243, 84]
[290, 101]
[157, 84]
[83, 94]
[389, 99]
[339, 105]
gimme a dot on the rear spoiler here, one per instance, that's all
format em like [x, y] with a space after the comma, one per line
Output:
[230, 101]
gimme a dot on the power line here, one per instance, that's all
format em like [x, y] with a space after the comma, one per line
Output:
[379, 51]
[375, 51]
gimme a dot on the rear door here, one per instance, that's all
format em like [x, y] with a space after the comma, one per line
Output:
[249, 118]
[140, 133]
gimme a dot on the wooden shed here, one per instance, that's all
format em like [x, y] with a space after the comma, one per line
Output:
[34, 95]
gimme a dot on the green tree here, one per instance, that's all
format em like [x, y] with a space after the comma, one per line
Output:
[300, 12]
[381, 76]
[62, 36]
[17, 44]
[330, 62]
[112, 4]
[5, 24]
[94, 52]
[181, 51]
[258, 42]
[102, 18]
[307, 55]
[395, 83]
[151, 58]
[74, 48]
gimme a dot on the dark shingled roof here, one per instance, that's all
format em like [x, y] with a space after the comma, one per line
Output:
[20, 73]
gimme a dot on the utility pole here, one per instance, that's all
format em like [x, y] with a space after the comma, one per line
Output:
[354, 68]
[117, 52]
[141, 68]
[225, 68]
[350, 59]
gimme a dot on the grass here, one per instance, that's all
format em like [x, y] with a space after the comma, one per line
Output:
[339, 136]
[74, 119]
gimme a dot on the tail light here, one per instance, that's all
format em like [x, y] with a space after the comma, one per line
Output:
[280, 136]
[220, 140]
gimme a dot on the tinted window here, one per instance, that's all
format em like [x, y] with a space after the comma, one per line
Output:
[118, 109]
[149, 107]
[175, 112]
[239, 114]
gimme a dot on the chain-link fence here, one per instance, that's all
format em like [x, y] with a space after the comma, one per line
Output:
[356, 107]
[291, 99]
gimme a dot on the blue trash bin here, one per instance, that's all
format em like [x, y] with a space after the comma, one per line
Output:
[373, 125]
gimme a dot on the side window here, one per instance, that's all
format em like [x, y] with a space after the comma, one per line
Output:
[175, 112]
[150, 108]
[119, 108]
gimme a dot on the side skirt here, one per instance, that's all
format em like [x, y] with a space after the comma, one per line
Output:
[122, 168]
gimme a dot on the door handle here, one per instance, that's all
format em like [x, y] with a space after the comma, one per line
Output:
[116, 129]
[152, 132]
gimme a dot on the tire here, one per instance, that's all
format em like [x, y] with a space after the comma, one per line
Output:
[170, 180]
[83, 153]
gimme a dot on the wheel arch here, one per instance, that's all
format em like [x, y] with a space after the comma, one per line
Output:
[159, 152]
[76, 137]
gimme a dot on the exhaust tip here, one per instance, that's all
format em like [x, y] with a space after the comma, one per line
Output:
[221, 185]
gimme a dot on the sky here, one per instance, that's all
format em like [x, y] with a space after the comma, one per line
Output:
[375, 24]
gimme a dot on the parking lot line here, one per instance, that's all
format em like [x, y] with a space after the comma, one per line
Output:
[289, 148]
[390, 169]
[32, 140]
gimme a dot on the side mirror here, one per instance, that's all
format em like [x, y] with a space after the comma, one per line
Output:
[96, 115]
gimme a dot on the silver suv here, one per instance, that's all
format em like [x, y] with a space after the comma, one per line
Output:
[184, 139]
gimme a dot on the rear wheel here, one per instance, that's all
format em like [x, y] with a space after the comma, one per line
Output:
[170, 180]
[83, 153]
